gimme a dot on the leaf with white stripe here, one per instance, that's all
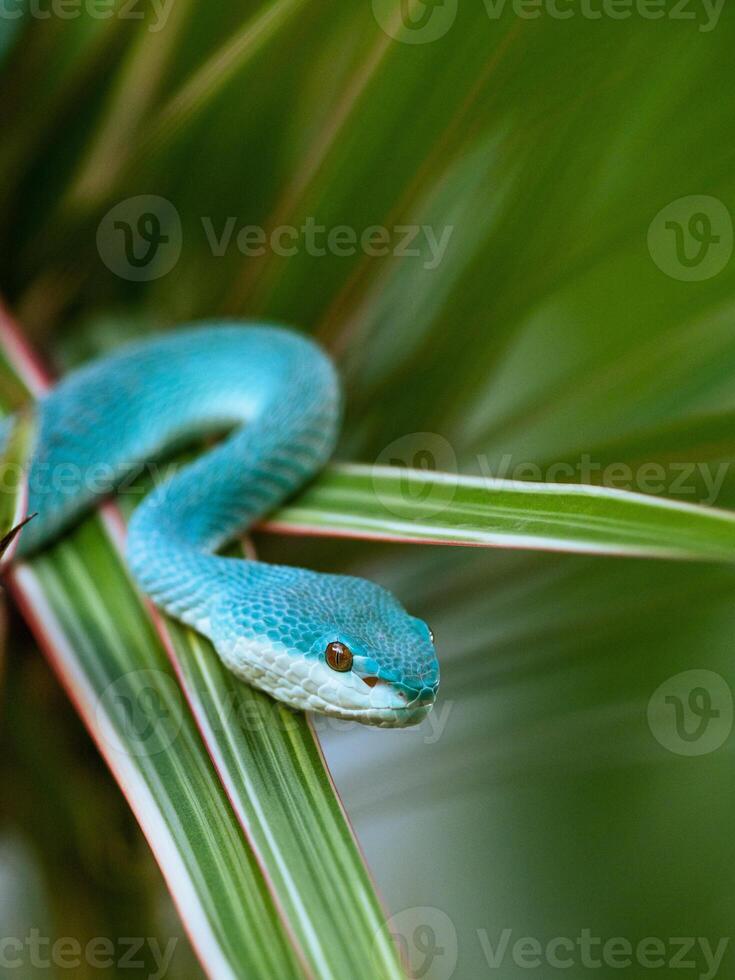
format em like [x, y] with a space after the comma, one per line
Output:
[85, 614]
[274, 775]
[443, 508]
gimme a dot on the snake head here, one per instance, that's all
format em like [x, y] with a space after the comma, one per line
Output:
[376, 675]
[372, 661]
[333, 644]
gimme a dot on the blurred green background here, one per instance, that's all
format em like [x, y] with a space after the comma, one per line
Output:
[563, 322]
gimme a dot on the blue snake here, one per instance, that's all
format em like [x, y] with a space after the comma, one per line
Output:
[333, 644]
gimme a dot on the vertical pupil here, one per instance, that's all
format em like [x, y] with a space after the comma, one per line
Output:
[339, 657]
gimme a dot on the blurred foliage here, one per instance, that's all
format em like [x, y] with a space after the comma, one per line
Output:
[76, 861]
[546, 333]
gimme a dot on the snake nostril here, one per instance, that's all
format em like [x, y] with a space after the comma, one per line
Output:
[371, 681]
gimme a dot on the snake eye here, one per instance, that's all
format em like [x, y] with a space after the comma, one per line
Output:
[339, 657]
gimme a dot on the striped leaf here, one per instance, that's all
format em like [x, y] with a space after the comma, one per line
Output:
[13, 515]
[87, 618]
[441, 508]
[275, 778]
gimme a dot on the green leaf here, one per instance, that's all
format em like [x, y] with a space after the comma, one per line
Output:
[443, 508]
[273, 771]
[114, 666]
[13, 515]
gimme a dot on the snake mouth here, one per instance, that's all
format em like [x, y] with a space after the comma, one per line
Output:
[373, 700]
[402, 705]
[411, 696]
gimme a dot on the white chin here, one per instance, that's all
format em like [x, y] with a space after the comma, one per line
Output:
[311, 685]
[380, 717]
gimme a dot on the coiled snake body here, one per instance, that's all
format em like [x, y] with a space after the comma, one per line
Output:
[329, 643]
